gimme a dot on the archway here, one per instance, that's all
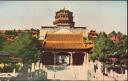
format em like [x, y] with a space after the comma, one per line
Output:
[47, 58]
[78, 58]
[63, 58]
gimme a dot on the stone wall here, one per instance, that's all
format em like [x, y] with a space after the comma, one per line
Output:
[98, 74]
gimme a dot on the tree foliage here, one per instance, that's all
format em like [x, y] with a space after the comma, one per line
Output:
[105, 48]
[102, 47]
[23, 47]
[1, 42]
[120, 48]
[11, 32]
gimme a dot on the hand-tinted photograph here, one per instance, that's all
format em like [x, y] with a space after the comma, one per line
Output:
[63, 41]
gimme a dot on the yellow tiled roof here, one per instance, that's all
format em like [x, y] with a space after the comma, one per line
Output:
[64, 45]
[64, 41]
[64, 37]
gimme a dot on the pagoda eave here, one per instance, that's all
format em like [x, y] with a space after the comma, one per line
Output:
[67, 49]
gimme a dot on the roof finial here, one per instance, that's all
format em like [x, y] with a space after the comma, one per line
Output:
[64, 8]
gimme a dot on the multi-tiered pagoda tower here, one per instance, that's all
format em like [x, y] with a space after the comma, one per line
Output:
[64, 18]
[63, 23]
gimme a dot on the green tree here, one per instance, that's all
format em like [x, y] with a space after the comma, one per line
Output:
[0, 33]
[120, 47]
[22, 48]
[1, 42]
[102, 47]
[113, 32]
[11, 32]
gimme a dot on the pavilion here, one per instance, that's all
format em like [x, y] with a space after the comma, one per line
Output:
[64, 43]
[64, 48]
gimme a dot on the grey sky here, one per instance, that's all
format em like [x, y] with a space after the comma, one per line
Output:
[99, 15]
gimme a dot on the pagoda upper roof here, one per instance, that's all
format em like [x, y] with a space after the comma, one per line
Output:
[64, 10]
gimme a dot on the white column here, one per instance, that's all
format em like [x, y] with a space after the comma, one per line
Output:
[41, 66]
[34, 66]
[44, 69]
[99, 66]
[105, 70]
[33, 69]
[67, 59]
[37, 65]
[111, 72]
[29, 70]
[71, 61]
[87, 58]
[14, 72]
[126, 72]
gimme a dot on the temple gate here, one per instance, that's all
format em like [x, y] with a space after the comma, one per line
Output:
[63, 48]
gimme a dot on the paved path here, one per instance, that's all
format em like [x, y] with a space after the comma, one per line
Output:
[70, 73]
